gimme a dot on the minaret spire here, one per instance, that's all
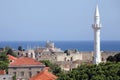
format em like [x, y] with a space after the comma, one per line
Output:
[97, 26]
[97, 11]
[97, 16]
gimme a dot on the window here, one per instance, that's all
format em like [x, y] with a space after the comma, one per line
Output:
[10, 60]
[71, 59]
[14, 73]
[18, 53]
[55, 57]
[30, 74]
[26, 54]
[38, 72]
[31, 55]
[65, 59]
[22, 73]
[29, 68]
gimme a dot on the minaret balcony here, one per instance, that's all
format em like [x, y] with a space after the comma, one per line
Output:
[96, 26]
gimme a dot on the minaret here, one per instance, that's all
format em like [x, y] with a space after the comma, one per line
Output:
[97, 26]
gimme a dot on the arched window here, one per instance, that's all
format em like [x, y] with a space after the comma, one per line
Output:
[18, 53]
[26, 54]
[102, 59]
[31, 55]
[65, 59]
[71, 59]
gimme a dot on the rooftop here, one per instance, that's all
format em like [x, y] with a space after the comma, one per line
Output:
[2, 72]
[44, 75]
[11, 57]
[24, 61]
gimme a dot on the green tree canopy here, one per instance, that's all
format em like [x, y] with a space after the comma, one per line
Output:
[4, 61]
[103, 71]
[55, 69]
[115, 58]
[10, 52]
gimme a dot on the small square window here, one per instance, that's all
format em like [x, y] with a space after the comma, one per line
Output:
[22, 73]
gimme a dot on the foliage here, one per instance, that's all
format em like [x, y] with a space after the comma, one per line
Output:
[3, 57]
[103, 71]
[46, 62]
[4, 61]
[66, 51]
[10, 52]
[55, 69]
[20, 48]
[7, 48]
[115, 58]
[3, 65]
[14, 77]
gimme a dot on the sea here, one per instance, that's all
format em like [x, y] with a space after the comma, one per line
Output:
[64, 45]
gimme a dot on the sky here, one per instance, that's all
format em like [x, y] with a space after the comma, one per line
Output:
[57, 20]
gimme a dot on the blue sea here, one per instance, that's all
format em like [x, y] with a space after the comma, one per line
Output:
[64, 45]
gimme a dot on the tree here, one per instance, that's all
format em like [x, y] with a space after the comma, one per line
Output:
[111, 58]
[103, 71]
[7, 48]
[4, 61]
[47, 63]
[10, 52]
[54, 68]
[3, 65]
[3, 57]
[14, 77]
[20, 48]
[115, 58]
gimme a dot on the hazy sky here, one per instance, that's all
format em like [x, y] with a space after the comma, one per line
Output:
[38, 20]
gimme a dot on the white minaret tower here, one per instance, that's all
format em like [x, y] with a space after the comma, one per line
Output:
[96, 26]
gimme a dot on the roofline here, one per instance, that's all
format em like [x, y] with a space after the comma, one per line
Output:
[26, 66]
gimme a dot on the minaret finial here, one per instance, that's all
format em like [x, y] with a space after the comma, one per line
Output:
[97, 11]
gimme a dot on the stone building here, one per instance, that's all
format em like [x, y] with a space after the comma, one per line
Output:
[59, 56]
[68, 56]
[24, 68]
[28, 53]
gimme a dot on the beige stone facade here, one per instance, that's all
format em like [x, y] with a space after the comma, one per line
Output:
[69, 57]
[25, 72]
[24, 68]
[59, 56]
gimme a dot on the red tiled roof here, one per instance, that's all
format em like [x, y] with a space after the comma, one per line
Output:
[44, 75]
[11, 57]
[2, 72]
[25, 61]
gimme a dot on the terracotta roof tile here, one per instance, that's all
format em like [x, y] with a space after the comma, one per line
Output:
[44, 75]
[2, 72]
[24, 61]
[11, 57]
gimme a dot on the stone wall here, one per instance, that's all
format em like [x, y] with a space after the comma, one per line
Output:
[84, 56]
[88, 56]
